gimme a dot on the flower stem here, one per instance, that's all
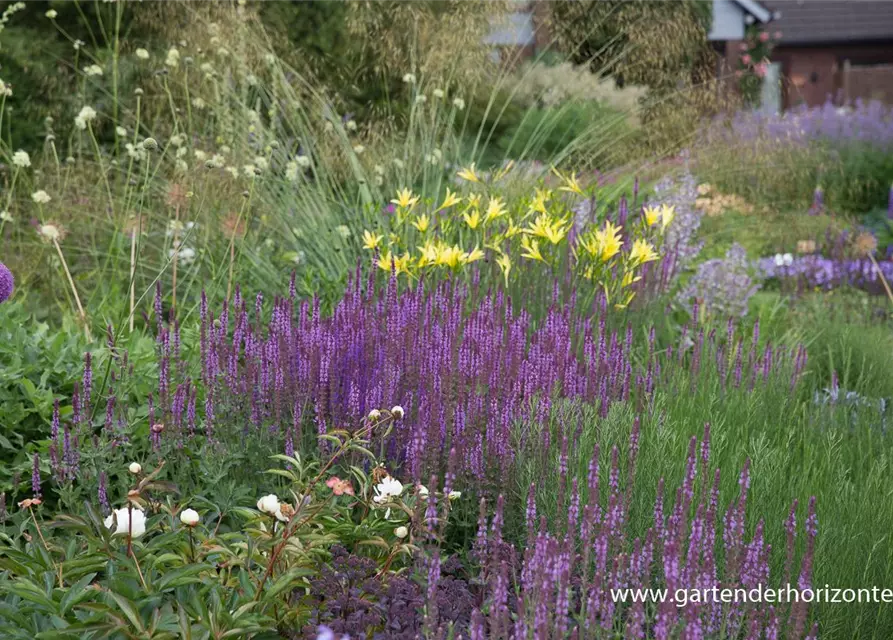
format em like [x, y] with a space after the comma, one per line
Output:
[45, 545]
[132, 274]
[74, 290]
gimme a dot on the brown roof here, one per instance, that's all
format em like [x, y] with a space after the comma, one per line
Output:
[832, 21]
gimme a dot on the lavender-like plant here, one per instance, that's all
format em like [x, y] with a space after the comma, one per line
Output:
[722, 286]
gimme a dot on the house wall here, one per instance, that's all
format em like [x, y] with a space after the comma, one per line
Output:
[728, 21]
[812, 74]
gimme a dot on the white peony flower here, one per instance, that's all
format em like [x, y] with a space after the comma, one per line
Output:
[397, 410]
[387, 489]
[135, 468]
[21, 159]
[269, 504]
[401, 532]
[127, 521]
[189, 517]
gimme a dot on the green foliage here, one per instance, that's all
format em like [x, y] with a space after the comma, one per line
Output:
[230, 572]
[39, 365]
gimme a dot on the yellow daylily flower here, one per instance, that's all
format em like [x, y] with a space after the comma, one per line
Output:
[449, 256]
[495, 209]
[384, 260]
[472, 256]
[629, 278]
[469, 174]
[609, 241]
[642, 252]
[474, 201]
[570, 183]
[371, 240]
[422, 223]
[501, 173]
[402, 263]
[530, 249]
[539, 200]
[473, 220]
[450, 199]
[544, 227]
[652, 215]
[405, 199]
[512, 230]
[666, 216]
[428, 253]
[505, 264]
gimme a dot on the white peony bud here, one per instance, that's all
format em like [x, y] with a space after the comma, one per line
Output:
[401, 532]
[189, 517]
[135, 468]
[269, 504]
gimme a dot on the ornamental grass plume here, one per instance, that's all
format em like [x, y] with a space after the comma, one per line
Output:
[7, 283]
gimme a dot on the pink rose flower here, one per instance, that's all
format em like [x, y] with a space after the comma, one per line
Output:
[764, 37]
[746, 59]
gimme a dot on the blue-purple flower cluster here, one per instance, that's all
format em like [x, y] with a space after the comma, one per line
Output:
[7, 283]
[815, 271]
[864, 122]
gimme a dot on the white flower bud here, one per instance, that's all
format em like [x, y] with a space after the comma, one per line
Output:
[135, 468]
[397, 410]
[189, 517]
[401, 532]
[269, 504]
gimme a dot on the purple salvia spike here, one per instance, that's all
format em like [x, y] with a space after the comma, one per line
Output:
[55, 445]
[103, 495]
[87, 382]
[159, 313]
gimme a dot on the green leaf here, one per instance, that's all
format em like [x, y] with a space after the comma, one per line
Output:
[129, 609]
[78, 592]
[288, 579]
